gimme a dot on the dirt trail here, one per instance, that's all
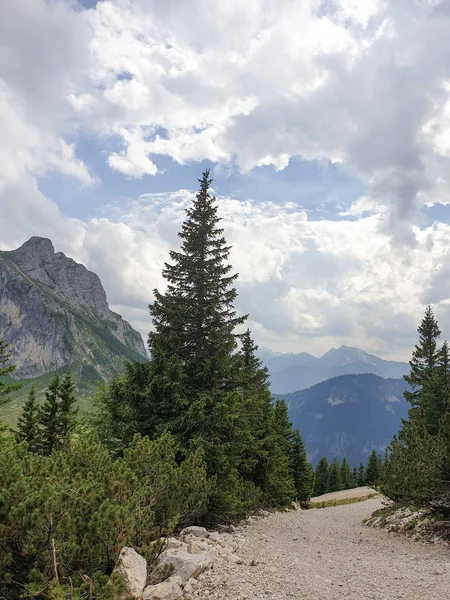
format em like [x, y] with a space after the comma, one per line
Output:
[326, 554]
[360, 492]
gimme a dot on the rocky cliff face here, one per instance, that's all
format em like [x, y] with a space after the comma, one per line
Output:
[54, 313]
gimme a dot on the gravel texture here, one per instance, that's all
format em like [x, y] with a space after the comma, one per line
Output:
[325, 554]
[359, 492]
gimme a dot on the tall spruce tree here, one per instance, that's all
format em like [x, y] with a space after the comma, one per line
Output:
[424, 366]
[271, 471]
[373, 469]
[28, 427]
[321, 479]
[194, 319]
[334, 483]
[67, 408]
[354, 477]
[302, 471]
[49, 417]
[361, 475]
[254, 376]
[346, 475]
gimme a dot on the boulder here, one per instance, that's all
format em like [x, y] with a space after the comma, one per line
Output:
[197, 547]
[199, 532]
[216, 537]
[183, 565]
[168, 590]
[132, 569]
[173, 543]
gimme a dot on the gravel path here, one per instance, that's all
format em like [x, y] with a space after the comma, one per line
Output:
[325, 554]
[359, 492]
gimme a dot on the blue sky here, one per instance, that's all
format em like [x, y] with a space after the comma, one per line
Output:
[327, 134]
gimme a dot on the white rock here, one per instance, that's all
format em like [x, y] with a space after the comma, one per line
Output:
[132, 568]
[197, 547]
[199, 532]
[216, 537]
[182, 564]
[168, 590]
[233, 558]
[174, 543]
[190, 586]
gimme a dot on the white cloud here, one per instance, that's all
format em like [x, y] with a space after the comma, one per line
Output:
[365, 84]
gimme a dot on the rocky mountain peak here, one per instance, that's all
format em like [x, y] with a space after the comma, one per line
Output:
[54, 312]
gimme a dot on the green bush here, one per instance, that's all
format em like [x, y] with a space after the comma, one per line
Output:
[89, 505]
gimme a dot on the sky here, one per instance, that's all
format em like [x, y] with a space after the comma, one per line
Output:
[325, 124]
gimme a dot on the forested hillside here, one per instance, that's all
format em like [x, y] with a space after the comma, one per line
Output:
[348, 416]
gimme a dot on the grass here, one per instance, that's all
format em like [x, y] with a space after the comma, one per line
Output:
[340, 502]
[11, 410]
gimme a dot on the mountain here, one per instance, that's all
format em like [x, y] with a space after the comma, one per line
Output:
[55, 315]
[348, 415]
[282, 362]
[291, 372]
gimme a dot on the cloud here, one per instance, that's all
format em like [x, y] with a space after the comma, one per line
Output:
[44, 56]
[362, 83]
[306, 284]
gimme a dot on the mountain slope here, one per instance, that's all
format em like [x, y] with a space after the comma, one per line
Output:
[302, 373]
[55, 315]
[348, 415]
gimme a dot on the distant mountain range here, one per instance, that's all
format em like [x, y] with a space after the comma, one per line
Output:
[348, 415]
[55, 315]
[293, 372]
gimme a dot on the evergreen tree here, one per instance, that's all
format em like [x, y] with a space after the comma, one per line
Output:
[28, 429]
[194, 320]
[321, 478]
[361, 475]
[67, 409]
[199, 386]
[50, 417]
[302, 471]
[373, 469]
[334, 483]
[6, 370]
[424, 365]
[272, 471]
[255, 377]
[435, 394]
[346, 475]
[354, 477]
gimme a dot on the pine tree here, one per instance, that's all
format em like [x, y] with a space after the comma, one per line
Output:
[346, 475]
[272, 471]
[354, 477]
[321, 478]
[50, 417]
[424, 366]
[6, 369]
[302, 471]
[255, 377]
[28, 429]
[435, 394]
[373, 469]
[67, 409]
[361, 475]
[334, 483]
[194, 320]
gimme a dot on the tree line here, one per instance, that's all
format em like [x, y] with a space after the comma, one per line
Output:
[336, 476]
[192, 436]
